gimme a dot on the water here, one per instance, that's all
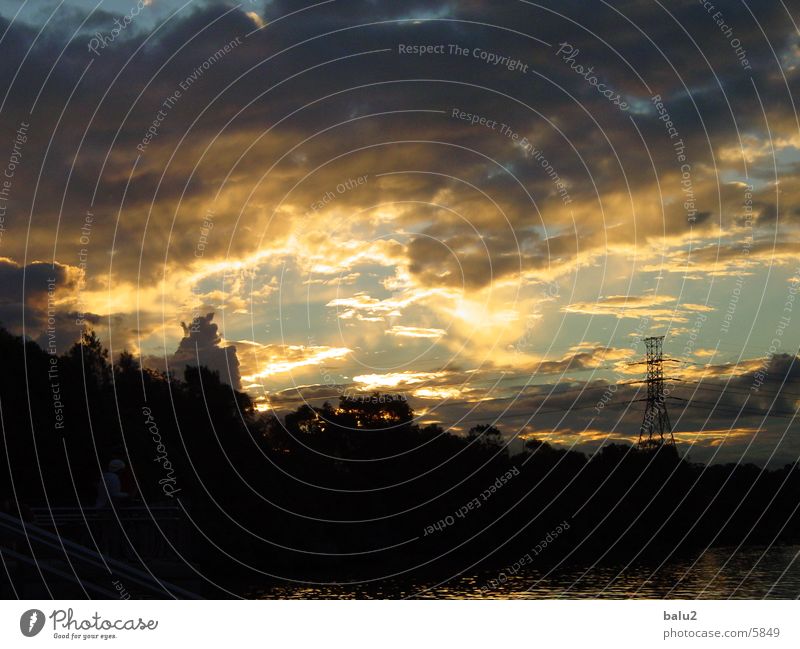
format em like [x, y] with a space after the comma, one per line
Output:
[719, 573]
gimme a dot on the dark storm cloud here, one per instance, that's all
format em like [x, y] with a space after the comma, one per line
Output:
[192, 36]
[201, 345]
[38, 300]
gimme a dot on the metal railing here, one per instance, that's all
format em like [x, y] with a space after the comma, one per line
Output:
[39, 548]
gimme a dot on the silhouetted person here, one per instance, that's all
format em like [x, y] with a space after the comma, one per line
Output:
[109, 489]
[128, 484]
[110, 494]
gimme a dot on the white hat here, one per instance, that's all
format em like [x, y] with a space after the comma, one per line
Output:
[116, 465]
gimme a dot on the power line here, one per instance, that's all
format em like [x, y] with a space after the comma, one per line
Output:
[737, 390]
[750, 411]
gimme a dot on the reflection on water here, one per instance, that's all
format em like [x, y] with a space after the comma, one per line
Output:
[750, 573]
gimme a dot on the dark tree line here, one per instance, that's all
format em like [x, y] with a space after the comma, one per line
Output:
[355, 489]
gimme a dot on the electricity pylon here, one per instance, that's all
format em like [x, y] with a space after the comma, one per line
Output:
[656, 430]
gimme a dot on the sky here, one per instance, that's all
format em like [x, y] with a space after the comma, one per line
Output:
[484, 206]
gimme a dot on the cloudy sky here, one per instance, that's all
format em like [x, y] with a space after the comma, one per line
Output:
[483, 205]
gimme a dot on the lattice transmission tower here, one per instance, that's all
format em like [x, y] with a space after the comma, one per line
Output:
[656, 430]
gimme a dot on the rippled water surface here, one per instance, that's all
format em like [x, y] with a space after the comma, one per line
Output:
[720, 573]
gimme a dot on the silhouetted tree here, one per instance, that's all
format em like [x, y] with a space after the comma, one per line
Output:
[488, 435]
[538, 446]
